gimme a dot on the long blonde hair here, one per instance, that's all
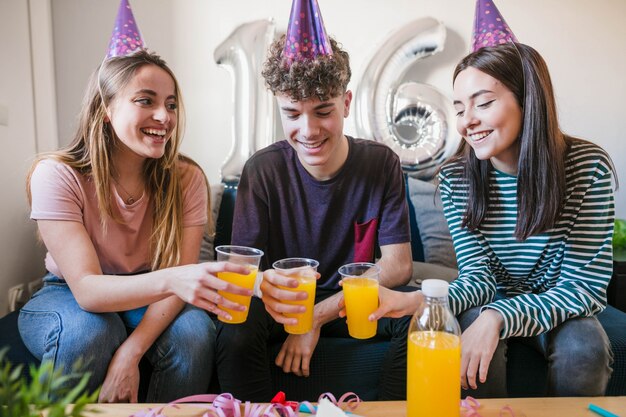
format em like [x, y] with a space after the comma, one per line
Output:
[91, 149]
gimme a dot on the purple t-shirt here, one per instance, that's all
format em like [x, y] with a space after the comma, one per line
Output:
[282, 210]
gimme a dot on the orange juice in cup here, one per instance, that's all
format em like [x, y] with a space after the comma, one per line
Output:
[246, 281]
[360, 291]
[305, 271]
[241, 255]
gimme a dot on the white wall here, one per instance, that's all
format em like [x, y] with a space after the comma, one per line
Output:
[583, 41]
[81, 33]
[21, 259]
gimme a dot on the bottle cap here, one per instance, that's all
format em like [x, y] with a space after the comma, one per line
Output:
[435, 288]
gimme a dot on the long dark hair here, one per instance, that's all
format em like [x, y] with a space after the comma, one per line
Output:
[543, 146]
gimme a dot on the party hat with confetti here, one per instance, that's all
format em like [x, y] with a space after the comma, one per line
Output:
[306, 35]
[125, 37]
[490, 28]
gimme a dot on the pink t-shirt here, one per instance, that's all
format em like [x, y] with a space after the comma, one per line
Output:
[62, 193]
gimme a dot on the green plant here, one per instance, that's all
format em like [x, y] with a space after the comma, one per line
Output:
[619, 234]
[48, 390]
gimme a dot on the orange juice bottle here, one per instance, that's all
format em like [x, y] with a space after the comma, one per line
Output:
[434, 356]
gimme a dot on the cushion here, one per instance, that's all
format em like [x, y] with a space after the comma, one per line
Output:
[207, 248]
[433, 229]
[10, 338]
[422, 271]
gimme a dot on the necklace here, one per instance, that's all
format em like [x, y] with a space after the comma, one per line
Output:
[130, 200]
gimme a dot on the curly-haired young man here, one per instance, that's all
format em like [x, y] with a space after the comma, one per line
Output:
[318, 194]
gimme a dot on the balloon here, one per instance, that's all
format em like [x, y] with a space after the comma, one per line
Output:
[242, 53]
[421, 122]
[413, 119]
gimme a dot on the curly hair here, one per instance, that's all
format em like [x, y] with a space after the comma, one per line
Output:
[323, 77]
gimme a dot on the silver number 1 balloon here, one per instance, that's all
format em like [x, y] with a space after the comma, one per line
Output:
[242, 53]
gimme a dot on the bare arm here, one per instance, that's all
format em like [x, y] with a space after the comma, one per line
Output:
[396, 264]
[161, 313]
[391, 304]
[122, 379]
[72, 250]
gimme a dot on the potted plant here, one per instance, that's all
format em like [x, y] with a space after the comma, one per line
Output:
[47, 393]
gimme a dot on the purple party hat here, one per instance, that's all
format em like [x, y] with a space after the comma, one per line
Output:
[490, 28]
[125, 37]
[306, 35]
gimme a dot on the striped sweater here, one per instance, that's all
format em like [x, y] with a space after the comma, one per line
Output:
[547, 278]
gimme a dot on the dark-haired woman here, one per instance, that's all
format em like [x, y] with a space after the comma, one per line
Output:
[531, 213]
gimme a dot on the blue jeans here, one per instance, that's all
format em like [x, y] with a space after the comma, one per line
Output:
[55, 328]
[578, 353]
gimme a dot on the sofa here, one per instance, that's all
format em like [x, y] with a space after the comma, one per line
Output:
[433, 256]
[358, 366]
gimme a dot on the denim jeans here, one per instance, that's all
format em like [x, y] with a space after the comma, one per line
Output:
[578, 353]
[55, 328]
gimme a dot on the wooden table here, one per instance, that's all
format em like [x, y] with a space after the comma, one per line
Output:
[530, 407]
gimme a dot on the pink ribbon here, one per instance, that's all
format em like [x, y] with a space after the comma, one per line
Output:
[471, 406]
[225, 405]
[348, 400]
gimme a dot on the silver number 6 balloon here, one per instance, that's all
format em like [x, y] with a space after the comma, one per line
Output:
[413, 119]
[242, 53]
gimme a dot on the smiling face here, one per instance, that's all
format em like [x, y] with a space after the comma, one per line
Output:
[489, 118]
[314, 129]
[143, 114]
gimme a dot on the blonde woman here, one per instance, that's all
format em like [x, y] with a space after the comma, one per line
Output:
[122, 215]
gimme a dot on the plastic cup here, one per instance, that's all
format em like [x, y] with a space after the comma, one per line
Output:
[304, 270]
[241, 255]
[360, 291]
